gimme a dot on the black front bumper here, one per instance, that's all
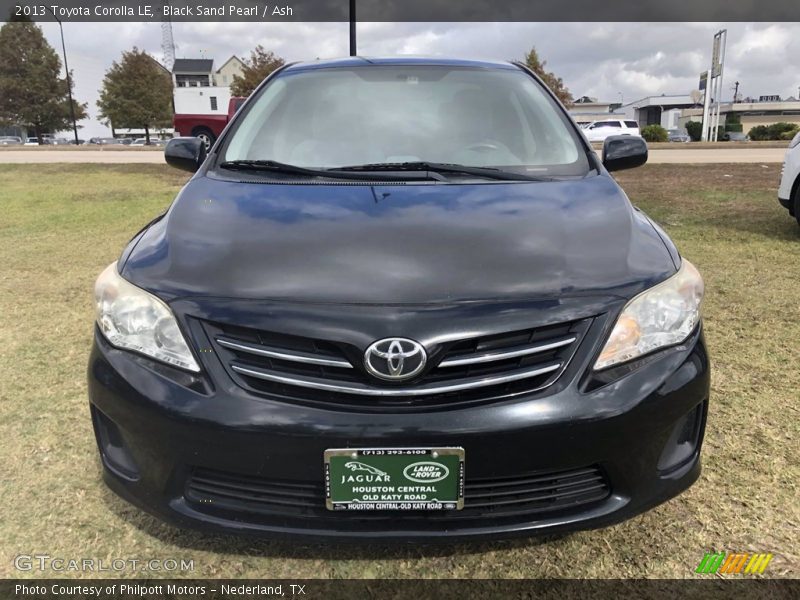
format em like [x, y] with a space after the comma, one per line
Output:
[158, 436]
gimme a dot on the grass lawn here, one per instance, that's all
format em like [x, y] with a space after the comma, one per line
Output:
[61, 224]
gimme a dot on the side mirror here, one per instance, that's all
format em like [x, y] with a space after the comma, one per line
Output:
[624, 152]
[186, 153]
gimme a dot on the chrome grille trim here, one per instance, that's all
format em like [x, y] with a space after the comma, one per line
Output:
[422, 390]
[294, 356]
[504, 354]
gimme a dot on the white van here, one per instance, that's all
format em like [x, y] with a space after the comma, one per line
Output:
[598, 131]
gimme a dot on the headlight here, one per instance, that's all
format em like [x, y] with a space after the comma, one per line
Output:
[662, 316]
[795, 140]
[131, 318]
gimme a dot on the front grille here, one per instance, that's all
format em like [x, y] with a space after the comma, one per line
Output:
[469, 370]
[532, 494]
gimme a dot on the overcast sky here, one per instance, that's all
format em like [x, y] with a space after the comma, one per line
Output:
[606, 60]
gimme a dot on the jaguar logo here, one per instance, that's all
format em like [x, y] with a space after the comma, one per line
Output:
[355, 465]
[371, 474]
[395, 359]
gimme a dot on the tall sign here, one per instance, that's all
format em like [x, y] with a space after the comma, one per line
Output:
[713, 100]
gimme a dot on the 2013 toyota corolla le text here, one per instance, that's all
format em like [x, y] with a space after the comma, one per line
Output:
[400, 299]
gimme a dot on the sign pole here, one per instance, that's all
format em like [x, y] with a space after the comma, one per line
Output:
[723, 35]
[715, 83]
[706, 103]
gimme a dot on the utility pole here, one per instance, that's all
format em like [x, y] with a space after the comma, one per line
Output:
[736, 92]
[69, 81]
[167, 39]
[353, 51]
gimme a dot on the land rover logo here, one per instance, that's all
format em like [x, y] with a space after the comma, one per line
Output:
[426, 472]
[395, 359]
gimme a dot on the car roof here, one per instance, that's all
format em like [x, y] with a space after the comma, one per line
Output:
[406, 61]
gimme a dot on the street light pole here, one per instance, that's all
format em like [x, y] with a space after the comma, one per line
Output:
[69, 82]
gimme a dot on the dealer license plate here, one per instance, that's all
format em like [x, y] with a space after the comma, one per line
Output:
[394, 478]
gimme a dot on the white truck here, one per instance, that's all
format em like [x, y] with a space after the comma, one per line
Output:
[789, 190]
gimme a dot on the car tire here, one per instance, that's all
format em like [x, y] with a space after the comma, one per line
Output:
[796, 199]
[206, 136]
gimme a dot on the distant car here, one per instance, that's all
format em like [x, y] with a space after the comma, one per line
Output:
[144, 142]
[678, 135]
[32, 141]
[10, 140]
[735, 136]
[789, 190]
[598, 131]
[107, 141]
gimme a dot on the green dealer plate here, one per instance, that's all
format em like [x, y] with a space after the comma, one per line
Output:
[394, 478]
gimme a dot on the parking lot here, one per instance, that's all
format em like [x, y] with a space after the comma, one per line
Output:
[63, 223]
[659, 153]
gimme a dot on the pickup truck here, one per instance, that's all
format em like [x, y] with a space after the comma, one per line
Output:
[206, 127]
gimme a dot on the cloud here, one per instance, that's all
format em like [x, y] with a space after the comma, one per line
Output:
[595, 59]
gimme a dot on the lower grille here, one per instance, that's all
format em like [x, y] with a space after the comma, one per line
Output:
[533, 494]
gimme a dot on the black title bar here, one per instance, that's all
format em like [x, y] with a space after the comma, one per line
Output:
[702, 587]
[404, 10]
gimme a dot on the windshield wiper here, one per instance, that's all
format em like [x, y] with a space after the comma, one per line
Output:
[488, 172]
[279, 167]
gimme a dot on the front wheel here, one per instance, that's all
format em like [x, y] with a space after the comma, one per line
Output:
[797, 202]
[206, 136]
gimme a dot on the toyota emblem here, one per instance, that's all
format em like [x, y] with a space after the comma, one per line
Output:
[395, 359]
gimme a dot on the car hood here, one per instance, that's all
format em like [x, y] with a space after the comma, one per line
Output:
[397, 244]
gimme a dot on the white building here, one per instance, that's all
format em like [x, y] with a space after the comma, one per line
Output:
[200, 89]
[664, 110]
[224, 75]
[585, 110]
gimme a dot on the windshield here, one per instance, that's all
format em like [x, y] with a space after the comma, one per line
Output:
[337, 117]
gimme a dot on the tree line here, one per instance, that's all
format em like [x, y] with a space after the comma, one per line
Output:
[137, 90]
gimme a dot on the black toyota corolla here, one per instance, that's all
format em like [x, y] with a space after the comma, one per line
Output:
[400, 299]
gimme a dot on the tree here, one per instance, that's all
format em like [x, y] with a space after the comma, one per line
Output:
[556, 84]
[137, 93]
[776, 131]
[32, 92]
[256, 68]
[695, 130]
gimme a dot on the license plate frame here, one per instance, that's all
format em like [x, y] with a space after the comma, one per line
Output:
[398, 479]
